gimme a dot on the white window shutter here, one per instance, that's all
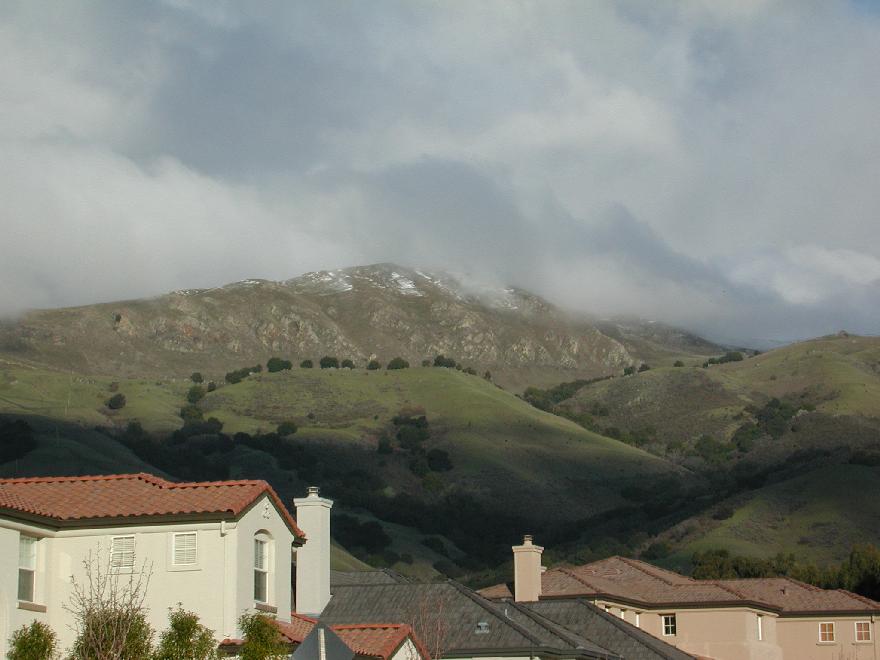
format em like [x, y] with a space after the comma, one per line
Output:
[122, 552]
[185, 549]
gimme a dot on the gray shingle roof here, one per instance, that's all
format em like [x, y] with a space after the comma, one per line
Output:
[382, 576]
[607, 630]
[474, 625]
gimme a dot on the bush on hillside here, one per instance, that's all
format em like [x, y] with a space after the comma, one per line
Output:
[196, 377]
[644, 366]
[36, 641]
[306, 364]
[347, 364]
[116, 402]
[398, 363]
[191, 413]
[443, 361]
[384, 445]
[678, 363]
[629, 371]
[196, 393]
[329, 362]
[374, 365]
[730, 356]
[286, 428]
[439, 461]
[351, 533]
[239, 375]
[16, 439]
[212, 386]
[426, 363]
[276, 364]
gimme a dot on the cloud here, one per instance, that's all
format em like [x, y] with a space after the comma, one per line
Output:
[702, 163]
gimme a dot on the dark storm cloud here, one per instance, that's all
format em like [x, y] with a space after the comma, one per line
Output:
[702, 163]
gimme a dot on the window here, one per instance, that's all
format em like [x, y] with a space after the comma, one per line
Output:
[185, 549]
[863, 631]
[760, 628]
[669, 628]
[826, 632]
[638, 616]
[27, 567]
[122, 553]
[261, 570]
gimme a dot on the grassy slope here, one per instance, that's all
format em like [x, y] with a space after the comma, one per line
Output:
[809, 516]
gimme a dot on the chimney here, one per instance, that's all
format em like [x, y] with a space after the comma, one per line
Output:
[527, 571]
[313, 558]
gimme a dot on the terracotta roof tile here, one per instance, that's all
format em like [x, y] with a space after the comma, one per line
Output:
[636, 581]
[379, 640]
[68, 499]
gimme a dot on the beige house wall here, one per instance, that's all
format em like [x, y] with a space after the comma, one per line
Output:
[732, 633]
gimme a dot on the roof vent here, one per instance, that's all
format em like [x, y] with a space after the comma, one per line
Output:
[482, 628]
[314, 490]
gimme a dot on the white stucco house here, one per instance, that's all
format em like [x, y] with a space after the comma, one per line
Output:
[218, 548]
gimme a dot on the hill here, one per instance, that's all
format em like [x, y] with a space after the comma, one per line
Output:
[362, 313]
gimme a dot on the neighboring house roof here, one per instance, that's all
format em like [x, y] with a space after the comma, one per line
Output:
[605, 629]
[471, 625]
[639, 583]
[381, 576]
[72, 500]
[374, 640]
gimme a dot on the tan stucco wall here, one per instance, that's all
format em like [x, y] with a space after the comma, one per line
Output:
[800, 639]
[219, 588]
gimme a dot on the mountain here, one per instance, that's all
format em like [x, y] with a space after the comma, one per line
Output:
[363, 313]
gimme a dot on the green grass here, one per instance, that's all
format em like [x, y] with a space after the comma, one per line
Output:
[817, 516]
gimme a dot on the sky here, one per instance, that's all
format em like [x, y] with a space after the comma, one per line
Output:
[707, 163]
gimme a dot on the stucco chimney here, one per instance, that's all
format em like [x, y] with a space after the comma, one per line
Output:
[527, 571]
[313, 558]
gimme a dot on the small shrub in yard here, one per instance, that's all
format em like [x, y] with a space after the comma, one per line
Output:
[186, 638]
[34, 642]
[262, 639]
[116, 402]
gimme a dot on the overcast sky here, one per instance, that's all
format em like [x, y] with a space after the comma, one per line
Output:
[711, 163]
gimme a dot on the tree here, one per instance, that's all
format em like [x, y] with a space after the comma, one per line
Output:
[286, 428]
[34, 642]
[329, 362]
[384, 446]
[262, 639]
[438, 460]
[16, 439]
[488, 375]
[306, 364]
[185, 638]
[196, 393]
[443, 361]
[276, 364]
[108, 613]
[191, 413]
[629, 371]
[116, 402]
[644, 366]
[398, 363]
[426, 363]
[374, 364]
[678, 363]
[347, 364]
[212, 386]
[196, 377]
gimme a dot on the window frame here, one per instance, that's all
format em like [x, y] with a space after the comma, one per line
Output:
[669, 621]
[184, 565]
[123, 567]
[833, 639]
[261, 573]
[760, 627]
[30, 570]
[869, 638]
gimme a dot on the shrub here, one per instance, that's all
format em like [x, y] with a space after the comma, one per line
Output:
[438, 460]
[443, 361]
[384, 446]
[398, 363]
[488, 375]
[328, 362]
[116, 402]
[34, 642]
[196, 377]
[426, 363]
[212, 386]
[262, 639]
[191, 413]
[306, 364]
[185, 638]
[347, 364]
[678, 363]
[657, 550]
[629, 371]
[419, 466]
[16, 439]
[470, 371]
[196, 393]
[286, 428]
[436, 544]
[644, 366]
[276, 364]
[374, 364]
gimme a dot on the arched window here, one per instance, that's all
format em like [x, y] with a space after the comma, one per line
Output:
[262, 566]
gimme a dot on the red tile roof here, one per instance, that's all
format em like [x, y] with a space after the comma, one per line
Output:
[378, 640]
[69, 499]
[630, 580]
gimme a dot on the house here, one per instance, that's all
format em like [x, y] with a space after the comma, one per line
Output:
[218, 548]
[746, 619]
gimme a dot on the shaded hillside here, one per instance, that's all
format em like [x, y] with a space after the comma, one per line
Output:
[362, 313]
